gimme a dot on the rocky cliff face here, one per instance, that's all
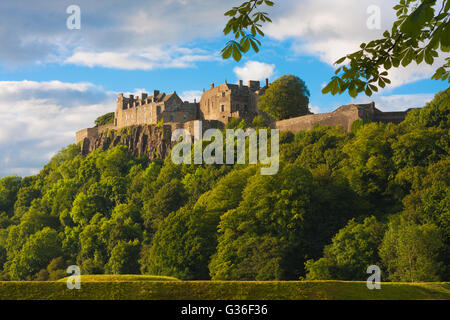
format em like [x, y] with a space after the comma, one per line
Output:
[142, 140]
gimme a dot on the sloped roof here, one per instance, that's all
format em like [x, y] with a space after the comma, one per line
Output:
[167, 97]
[160, 96]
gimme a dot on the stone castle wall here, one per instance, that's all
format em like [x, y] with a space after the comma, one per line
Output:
[93, 132]
[151, 110]
[390, 117]
[343, 116]
[217, 106]
[228, 101]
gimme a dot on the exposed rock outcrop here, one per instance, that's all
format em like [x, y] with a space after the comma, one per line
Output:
[142, 140]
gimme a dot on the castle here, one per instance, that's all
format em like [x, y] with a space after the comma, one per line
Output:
[217, 106]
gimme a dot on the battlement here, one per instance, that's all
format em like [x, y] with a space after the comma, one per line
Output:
[144, 99]
[221, 103]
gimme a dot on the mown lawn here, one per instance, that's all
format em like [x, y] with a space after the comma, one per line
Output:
[154, 288]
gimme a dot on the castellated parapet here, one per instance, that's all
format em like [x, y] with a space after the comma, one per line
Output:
[153, 109]
[217, 106]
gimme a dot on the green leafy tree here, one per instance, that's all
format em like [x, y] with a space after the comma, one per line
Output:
[245, 23]
[9, 187]
[236, 123]
[83, 209]
[56, 269]
[410, 251]
[36, 254]
[353, 249]
[420, 147]
[168, 199]
[124, 225]
[435, 113]
[286, 211]
[186, 240]
[24, 198]
[287, 97]
[124, 258]
[105, 119]
[92, 255]
[420, 31]
[419, 34]
[3, 257]
[115, 162]
[259, 122]
[369, 166]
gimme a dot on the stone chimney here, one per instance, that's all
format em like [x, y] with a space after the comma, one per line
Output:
[131, 97]
[267, 82]
[155, 94]
[144, 96]
[252, 84]
[241, 83]
[212, 85]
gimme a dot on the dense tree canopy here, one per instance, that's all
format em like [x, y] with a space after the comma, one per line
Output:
[340, 202]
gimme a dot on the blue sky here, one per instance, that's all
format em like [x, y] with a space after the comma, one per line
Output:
[54, 81]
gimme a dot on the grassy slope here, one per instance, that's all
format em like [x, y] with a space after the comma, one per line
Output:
[122, 277]
[123, 287]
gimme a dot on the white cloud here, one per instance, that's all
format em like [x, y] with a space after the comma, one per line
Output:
[398, 102]
[114, 34]
[146, 59]
[254, 70]
[314, 109]
[191, 95]
[327, 29]
[331, 29]
[39, 118]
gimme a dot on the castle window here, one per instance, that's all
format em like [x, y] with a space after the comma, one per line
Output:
[223, 94]
[184, 117]
[171, 117]
[222, 107]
